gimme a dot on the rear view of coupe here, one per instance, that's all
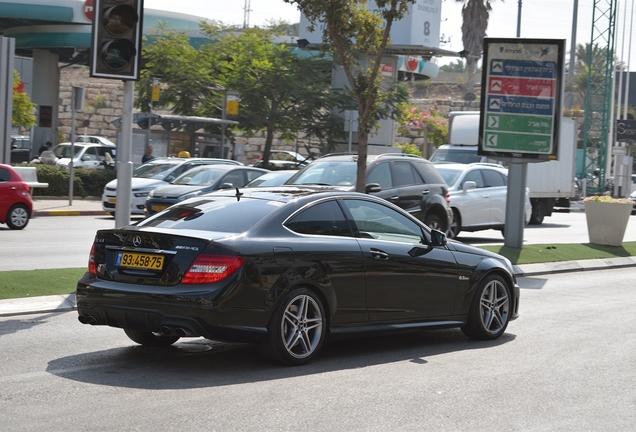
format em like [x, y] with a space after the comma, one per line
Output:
[288, 268]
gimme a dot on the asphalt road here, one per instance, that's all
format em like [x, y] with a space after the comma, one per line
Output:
[567, 364]
[65, 241]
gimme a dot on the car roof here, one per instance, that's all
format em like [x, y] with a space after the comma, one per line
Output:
[463, 167]
[286, 193]
[85, 144]
[370, 158]
[227, 167]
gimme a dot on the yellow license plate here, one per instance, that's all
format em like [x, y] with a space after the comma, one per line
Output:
[158, 208]
[112, 200]
[139, 261]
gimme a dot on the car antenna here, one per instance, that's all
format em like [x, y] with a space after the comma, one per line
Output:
[238, 195]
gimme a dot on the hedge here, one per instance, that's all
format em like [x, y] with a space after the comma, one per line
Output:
[86, 182]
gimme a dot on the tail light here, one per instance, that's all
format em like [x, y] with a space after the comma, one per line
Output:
[448, 198]
[26, 187]
[92, 266]
[212, 268]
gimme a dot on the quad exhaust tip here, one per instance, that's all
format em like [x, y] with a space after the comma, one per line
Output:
[87, 319]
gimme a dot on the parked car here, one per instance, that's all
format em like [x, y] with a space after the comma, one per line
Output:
[20, 149]
[198, 181]
[274, 178]
[283, 160]
[93, 139]
[408, 181]
[152, 174]
[16, 205]
[86, 155]
[478, 196]
[287, 268]
[632, 197]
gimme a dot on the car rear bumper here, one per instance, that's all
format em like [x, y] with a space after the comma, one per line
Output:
[170, 312]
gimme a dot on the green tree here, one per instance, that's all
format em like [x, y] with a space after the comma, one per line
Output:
[350, 32]
[279, 91]
[22, 114]
[458, 66]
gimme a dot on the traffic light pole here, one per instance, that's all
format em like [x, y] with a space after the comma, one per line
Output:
[124, 157]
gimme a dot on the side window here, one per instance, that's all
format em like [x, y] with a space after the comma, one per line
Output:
[405, 175]
[325, 218]
[493, 178]
[474, 175]
[236, 178]
[5, 175]
[90, 154]
[373, 220]
[381, 174]
[251, 175]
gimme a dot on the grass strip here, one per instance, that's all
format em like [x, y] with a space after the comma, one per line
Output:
[35, 283]
[542, 253]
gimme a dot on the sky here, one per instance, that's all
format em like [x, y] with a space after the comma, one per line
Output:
[550, 19]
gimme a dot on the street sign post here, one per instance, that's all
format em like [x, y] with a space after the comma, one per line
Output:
[521, 104]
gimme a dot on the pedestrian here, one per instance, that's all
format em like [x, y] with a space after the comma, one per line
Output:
[148, 155]
[45, 147]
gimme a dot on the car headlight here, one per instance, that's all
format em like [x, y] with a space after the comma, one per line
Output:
[189, 195]
[139, 193]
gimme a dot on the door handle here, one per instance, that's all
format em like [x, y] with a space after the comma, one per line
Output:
[378, 254]
[426, 192]
[394, 198]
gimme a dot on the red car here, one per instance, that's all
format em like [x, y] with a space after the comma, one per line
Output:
[16, 205]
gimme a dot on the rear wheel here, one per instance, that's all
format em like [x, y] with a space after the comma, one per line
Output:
[434, 222]
[150, 339]
[297, 329]
[455, 227]
[490, 311]
[18, 217]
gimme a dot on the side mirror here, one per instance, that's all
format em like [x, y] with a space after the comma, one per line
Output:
[227, 186]
[438, 238]
[372, 188]
[468, 185]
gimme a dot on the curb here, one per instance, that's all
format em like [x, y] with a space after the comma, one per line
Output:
[37, 213]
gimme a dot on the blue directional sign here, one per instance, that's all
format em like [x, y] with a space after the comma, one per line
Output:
[521, 98]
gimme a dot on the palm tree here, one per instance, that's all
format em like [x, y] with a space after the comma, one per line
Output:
[475, 14]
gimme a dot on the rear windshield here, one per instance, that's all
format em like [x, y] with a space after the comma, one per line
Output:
[456, 155]
[224, 214]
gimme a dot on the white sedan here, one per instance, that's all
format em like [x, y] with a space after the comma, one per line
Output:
[477, 194]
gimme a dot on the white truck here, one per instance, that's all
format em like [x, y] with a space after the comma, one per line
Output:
[550, 183]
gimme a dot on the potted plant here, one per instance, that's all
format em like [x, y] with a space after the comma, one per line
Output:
[607, 219]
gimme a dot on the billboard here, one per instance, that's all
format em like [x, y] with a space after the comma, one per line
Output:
[419, 27]
[522, 92]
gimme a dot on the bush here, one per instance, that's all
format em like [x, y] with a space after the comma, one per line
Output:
[86, 182]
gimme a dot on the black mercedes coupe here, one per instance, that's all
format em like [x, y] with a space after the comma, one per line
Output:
[287, 268]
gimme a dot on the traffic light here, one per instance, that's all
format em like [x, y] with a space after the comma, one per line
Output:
[116, 39]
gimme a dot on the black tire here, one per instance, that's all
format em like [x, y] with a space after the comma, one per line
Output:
[297, 329]
[455, 227]
[490, 310]
[435, 222]
[538, 213]
[18, 217]
[150, 339]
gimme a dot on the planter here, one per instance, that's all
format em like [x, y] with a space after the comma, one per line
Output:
[607, 222]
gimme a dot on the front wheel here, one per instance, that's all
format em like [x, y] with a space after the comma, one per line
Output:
[297, 329]
[149, 338]
[490, 311]
[18, 217]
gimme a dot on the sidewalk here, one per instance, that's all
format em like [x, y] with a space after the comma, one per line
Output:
[52, 206]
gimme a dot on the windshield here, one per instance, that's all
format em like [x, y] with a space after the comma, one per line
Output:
[154, 170]
[456, 155]
[64, 151]
[334, 173]
[202, 176]
[449, 175]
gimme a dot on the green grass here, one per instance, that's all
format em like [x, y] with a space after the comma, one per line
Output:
[34, 283]
[540, 253]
